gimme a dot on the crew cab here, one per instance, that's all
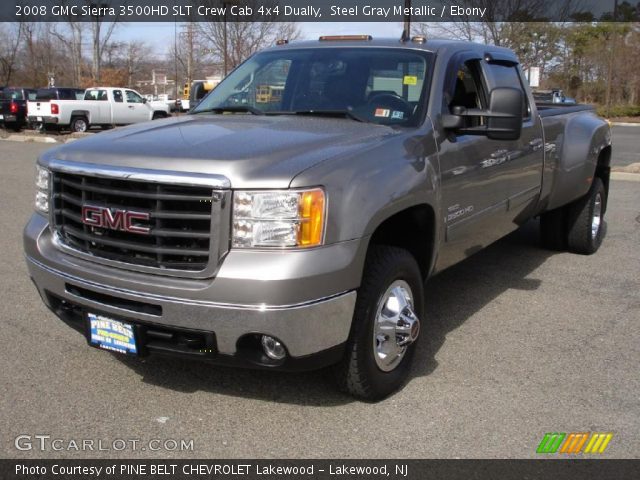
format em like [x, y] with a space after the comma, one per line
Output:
[100, 106]
[296, 229]
[13, 106]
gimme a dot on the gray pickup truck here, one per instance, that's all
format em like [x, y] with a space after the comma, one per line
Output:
[291, 220]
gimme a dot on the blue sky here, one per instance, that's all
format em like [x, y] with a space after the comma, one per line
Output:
[160, 34]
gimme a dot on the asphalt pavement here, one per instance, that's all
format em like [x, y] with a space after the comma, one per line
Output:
[519, 341]
[626, 141]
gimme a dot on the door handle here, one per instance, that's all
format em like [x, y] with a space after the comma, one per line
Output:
[131, 107]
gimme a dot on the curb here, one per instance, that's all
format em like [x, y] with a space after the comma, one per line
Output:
[633, 177]
[39, 139]
[29, 139]
[625, 124]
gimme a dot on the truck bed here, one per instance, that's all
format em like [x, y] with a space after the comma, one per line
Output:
[553, 109]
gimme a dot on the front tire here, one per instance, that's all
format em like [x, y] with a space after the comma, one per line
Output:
[585, 220]
[386, 324]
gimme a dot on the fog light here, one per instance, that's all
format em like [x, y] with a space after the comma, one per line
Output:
[273, 348]
[42, 202]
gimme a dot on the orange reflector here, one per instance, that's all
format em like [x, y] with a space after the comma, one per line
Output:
[337, 38]
[311, 218]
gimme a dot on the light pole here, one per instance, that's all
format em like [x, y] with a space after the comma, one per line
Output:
[175, 55]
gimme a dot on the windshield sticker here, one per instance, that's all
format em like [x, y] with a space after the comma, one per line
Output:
[396, 115]
[410, 80]
[382, 112]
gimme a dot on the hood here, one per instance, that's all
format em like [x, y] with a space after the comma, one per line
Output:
[251, 151]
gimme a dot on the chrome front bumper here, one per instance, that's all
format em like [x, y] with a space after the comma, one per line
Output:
[306, 327]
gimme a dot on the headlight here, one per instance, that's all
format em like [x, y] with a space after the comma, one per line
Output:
[43, 180]
[283, 218]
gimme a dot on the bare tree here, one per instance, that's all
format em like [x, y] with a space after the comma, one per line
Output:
[10, 37]
[101, 33]
[71, 34]
[233, 42]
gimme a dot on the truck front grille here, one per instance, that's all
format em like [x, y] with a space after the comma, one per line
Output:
[179, 221]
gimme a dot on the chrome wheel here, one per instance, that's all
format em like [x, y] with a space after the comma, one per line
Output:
[596, 218]
[396, 326]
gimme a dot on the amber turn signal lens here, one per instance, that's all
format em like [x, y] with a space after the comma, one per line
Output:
[312, 206]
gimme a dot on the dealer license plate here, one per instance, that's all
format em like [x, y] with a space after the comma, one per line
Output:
[112, 334]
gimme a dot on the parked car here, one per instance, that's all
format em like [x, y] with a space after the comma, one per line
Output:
[46, 104]
[102, 107]
[298, 232]
[13, 106]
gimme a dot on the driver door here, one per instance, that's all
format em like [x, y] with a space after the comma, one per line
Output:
[137, 109]
[474, 169]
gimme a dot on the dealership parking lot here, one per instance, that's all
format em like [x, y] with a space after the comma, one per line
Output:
[519, 342]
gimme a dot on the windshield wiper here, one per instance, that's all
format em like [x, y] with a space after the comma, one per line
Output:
[233, 109]
[331, 113]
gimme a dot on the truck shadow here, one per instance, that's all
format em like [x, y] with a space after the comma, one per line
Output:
[452, 297]
[456, 294]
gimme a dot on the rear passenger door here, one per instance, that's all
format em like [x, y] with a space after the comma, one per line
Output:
[119, 107]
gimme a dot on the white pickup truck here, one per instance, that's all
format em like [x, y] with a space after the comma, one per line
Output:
[101, 106]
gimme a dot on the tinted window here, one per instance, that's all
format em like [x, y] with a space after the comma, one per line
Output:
[45, 94]
[117, 96]
[12, 94]
[503, 76]
[100, 95]
[506, 76]
[66, 94]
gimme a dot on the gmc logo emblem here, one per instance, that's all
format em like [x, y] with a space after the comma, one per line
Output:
[114, 219]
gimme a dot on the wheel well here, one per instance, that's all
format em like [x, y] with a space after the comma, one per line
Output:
[412, 229]
[79, 113]
[603, 169]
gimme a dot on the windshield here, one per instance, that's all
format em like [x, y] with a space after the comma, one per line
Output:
[383, 86]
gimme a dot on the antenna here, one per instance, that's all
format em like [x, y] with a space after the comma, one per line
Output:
[406, 32]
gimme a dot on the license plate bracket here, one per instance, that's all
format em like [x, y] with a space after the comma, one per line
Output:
[110, 334]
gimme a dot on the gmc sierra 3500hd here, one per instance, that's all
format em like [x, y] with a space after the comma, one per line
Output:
[291, 220]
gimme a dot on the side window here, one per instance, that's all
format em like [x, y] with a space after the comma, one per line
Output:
[468, 91]
[507, 76]
[133, 97]
[117, 96]
[100, 95]
[66, 95]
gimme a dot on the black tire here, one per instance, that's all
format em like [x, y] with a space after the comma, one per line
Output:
[585, 220]
[553, 229]
[358, 373]
[79, 124]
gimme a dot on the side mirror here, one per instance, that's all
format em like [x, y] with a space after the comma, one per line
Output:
[144, 100]
[506, 113]
[503, 119]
